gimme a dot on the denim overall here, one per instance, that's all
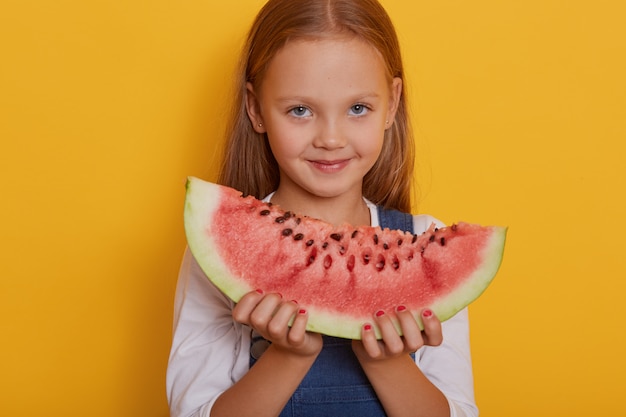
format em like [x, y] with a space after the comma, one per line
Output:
[336, 384]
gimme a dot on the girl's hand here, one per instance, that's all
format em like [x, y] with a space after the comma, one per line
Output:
[270, 316]
[392, 344]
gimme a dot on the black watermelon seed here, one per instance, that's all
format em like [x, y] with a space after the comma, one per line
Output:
[376, 239]
[442, 241]
[354, 234]
[312, 257]
[366, 258]
[436, 229]
[298, 236]
[453, 227]
[264, 212]
[325, 245]
[310, 242]
[400, 242]
[336, 236]
[385, 246]
[287, 232]
[414, 239]
[432, 238]
[342, 250]
[287, 215]
[298, 220]
[280, 220]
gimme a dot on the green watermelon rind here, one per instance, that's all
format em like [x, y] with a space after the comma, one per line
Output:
[199, 206]
[203, 199]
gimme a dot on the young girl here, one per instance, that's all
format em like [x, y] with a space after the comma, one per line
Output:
[320, 127]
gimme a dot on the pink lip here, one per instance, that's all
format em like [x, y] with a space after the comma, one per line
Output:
[329, 166]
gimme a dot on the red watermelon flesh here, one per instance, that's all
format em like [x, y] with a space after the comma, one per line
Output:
[341, 275]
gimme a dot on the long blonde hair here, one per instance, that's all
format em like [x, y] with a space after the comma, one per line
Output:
[248, 164]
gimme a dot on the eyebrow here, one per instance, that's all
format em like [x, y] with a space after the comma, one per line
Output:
[302, 99]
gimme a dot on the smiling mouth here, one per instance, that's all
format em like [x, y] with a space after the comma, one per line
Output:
[329, 166]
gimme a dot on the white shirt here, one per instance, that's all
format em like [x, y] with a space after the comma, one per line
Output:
[210, 352]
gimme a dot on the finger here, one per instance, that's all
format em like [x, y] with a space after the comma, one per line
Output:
[392, 340]
[410, 329]
[369, 341]
[278, 325]
[432, 333]
[264, 311]
[245, 306]
[297, 332]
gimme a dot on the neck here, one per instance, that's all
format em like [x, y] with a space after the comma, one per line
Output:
[350, 209]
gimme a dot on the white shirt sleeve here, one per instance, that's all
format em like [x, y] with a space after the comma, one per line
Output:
[449, 366]
[206, 357]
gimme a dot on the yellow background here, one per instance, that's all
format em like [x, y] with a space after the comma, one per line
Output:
[106, 107]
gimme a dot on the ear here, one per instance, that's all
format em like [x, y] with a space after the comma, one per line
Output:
[394, 101]
[254, 109]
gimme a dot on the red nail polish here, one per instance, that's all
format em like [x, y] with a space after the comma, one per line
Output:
[302, 311]
[400, 308]
[380, 313]
[427, 313]
[367, 327]
[260, 291]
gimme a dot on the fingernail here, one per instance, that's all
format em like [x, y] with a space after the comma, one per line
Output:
[380, 313]
[280, 295]
[400, 308]
[367, 327]
[302, 311]
[294, 301]
[427, 313]
[260, 291]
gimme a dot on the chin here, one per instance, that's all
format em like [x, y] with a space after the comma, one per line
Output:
[327, 192]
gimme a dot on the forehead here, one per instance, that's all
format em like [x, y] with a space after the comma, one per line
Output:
[321, 65]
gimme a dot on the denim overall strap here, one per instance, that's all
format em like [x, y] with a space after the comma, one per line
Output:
[394, 219]
[336, 385]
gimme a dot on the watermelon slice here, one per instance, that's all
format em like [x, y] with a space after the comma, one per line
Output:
[342, 275]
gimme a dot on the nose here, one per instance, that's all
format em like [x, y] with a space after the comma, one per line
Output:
[330, 135]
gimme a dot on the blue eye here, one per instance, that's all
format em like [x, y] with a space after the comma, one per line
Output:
[300, 111]
[358, 110]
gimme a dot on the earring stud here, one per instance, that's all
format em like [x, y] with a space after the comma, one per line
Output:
[260, 124]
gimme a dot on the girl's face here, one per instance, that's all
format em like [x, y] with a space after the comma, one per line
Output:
[325, 105]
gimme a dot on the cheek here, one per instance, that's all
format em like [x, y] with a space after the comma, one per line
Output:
[370, 141]
[284, 145]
